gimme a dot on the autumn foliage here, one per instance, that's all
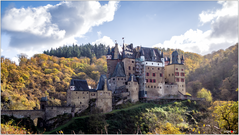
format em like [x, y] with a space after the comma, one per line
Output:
[42, 75]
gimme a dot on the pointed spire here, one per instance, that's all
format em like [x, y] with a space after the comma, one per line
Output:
[108, 52]
[142, 52]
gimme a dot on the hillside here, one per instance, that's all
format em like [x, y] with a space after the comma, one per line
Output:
[217, 72]
[43, 75]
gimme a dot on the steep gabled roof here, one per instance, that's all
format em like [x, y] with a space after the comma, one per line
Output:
[149, 52]
[80, 85]
[101, 83]
[119, 70]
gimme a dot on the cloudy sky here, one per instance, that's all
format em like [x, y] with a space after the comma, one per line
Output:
[194, 26]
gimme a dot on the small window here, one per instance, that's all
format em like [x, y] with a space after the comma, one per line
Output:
[182, 80]
[168, 74]
[146, 63]
[182, 69]
[80, 102]
[153, 74]
[113, 79]
[151, 86]
[160, 87]
[158, 68]
[133, 68]
[152, 68]
[148, 67]
[78, 97]
[129, 68]
[84, 97]
[118, 78]
[147, 74]
[154, 86]
[154, 80]
[176, 68]
[129, 74]
[83, 92]
[172, 74]
[121, 78]
[87, 93]
[76, 92]
[147, 80]
[152, 63]
[150, 80]
[148, 86]
[161, 75]
[132, 61]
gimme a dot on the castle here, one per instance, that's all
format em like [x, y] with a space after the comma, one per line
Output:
[145, 72]
[135, 73]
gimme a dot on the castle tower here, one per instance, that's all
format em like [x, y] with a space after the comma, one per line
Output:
[174, 72]
[133, 88]
[116, 51]
[104, 95]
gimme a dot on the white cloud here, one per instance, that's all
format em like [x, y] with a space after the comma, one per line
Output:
[223, 32]
[54, 25]
[106, 41]
[229, 9]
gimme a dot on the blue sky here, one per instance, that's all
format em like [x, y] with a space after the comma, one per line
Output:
[194, 26]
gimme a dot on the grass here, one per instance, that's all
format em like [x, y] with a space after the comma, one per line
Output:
[81, 117]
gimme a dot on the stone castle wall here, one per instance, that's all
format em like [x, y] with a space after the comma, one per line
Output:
[53, 111]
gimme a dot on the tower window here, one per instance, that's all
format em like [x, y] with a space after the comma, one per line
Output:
[132, 61]
[153, 74]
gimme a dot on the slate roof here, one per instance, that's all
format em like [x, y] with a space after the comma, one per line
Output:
[175, 57]
[148, 53]
[43, 99]
[92, 90]
[134, 78]
[119, 70]
[80, 85]
[101, 83]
